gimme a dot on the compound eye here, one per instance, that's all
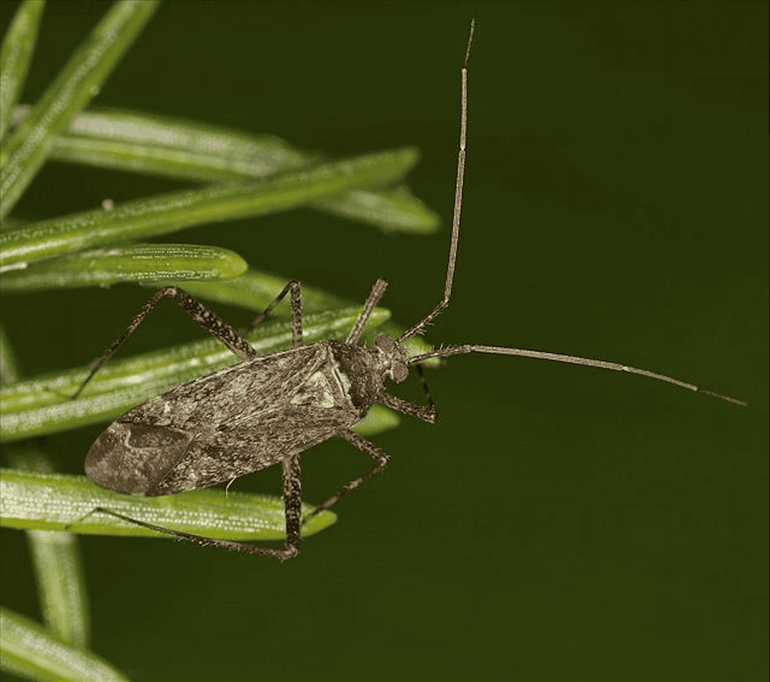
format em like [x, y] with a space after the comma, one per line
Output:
[399, 372]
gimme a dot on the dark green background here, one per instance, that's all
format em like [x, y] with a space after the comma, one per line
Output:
[557, 523]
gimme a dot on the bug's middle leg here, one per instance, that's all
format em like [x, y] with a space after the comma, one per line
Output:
[205, 317]
[296, 311]
[377, 454]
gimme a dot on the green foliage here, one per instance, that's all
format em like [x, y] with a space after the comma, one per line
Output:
[237, 175]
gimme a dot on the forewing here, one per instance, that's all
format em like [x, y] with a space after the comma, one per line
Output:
[212, 400]
[242, 419]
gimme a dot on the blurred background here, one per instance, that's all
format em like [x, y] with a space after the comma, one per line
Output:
[556, 523]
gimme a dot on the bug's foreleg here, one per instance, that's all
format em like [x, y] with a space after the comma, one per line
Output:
[426, 413]
[296, 311]
[378, 455]
[206, 318]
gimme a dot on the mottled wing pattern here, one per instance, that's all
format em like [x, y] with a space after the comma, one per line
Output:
[237, 420]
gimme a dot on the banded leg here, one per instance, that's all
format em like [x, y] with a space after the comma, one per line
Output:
[292, 495]
[377, 292]
[206, 318]
[378, 455]
[426, 413]
[296, 311]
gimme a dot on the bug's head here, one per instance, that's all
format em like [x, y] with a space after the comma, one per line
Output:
[392, 358]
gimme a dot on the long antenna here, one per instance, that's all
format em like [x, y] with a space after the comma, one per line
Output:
[450, 274]
[569, 359]
[458, 205]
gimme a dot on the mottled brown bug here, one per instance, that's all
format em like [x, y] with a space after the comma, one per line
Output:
[269, 409]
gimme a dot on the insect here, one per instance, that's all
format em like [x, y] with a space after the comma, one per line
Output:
[269, 409]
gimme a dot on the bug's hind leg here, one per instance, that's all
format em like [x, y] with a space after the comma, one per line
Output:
[377, 454]
[287, 553]
[292, 496]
